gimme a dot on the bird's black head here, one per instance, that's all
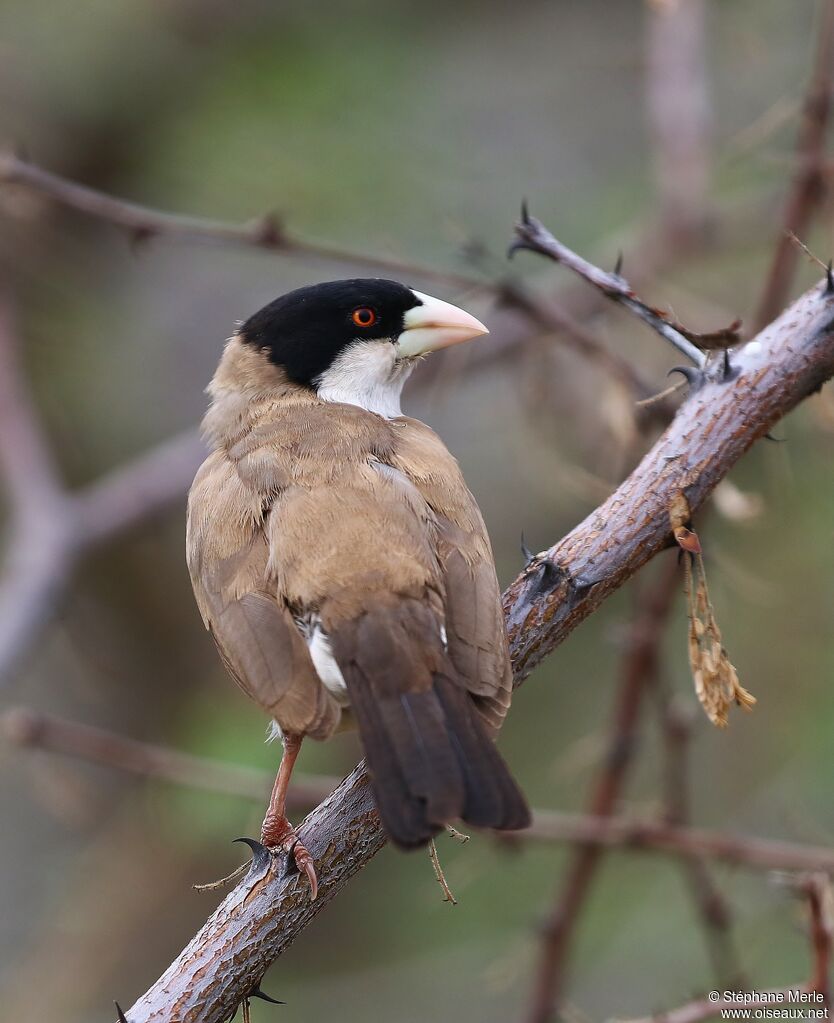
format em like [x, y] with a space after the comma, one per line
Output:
[304, 331]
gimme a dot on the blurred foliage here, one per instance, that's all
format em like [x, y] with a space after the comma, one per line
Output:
[407, 129]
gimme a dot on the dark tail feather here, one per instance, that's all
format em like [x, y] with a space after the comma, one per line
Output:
[493, 799]
[432, 762]
[431, 757]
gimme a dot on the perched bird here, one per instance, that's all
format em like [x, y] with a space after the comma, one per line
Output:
[342, 565]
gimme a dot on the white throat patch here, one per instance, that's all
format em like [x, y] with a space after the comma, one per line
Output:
[367, 374]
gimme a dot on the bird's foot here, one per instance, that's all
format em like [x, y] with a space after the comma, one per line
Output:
[277, 833]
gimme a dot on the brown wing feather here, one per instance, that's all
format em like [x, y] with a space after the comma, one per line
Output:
[476, 635]
[254, 631]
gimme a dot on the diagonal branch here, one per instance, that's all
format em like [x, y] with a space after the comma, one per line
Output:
[534, 236]
[554, 593]
[786, 363]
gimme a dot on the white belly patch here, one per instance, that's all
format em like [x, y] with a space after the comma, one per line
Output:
[321, 654]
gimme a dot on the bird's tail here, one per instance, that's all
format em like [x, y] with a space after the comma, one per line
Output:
[430, 755]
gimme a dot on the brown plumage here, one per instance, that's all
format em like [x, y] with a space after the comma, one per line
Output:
[316, 518]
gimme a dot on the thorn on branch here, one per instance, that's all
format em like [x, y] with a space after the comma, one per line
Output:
[139, 236]
[526, 553]
[549, 575]
[264, 997]
[269, 231]
[260, 854]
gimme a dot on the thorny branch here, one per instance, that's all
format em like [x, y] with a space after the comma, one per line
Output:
[532, 235]
[556, 591]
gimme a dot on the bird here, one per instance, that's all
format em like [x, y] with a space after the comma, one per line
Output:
[341, 564]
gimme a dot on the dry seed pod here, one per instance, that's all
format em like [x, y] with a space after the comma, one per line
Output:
[716, 680]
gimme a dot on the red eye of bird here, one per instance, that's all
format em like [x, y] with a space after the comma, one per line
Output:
[364, 317]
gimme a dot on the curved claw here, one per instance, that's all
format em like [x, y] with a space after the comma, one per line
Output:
[304, 863]
[122, 1017]
[694, 377]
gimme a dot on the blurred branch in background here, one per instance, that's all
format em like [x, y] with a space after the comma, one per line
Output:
[676, 723]
[142, 224]
[678, 111]
[32, 730]
[45, 732]
[808, 188]
[638, 672]
[52, 527]
[816, 889]
[253, 926]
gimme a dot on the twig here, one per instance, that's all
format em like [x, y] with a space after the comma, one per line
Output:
[651, 836]
[138, 489]
[638, 670]
[534, 236]
[439, 875]
[808, 186]
[143, 223]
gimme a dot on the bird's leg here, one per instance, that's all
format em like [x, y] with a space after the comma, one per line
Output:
[276, 830]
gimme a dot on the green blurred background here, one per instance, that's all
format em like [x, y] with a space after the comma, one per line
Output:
[409, 130]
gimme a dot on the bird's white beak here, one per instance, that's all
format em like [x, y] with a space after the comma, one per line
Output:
[435, 324]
